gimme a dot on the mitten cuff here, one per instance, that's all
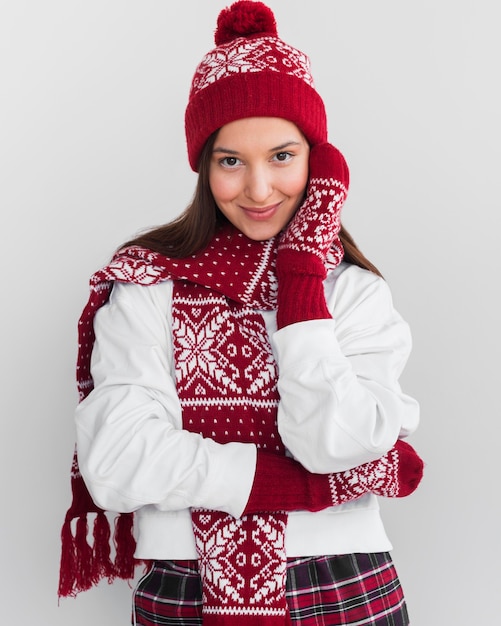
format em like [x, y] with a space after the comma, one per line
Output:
[282, 484]
[301, 296]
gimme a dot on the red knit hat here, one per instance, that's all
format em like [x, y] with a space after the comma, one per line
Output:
[251, 73]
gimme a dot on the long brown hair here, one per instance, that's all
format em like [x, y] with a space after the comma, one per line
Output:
[195, 227]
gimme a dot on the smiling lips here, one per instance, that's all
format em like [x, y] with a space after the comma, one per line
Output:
[261, 213]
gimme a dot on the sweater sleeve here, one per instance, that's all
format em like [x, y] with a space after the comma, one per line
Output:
[132, 449]
[341, 403]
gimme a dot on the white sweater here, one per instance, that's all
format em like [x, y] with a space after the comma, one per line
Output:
[341, 405]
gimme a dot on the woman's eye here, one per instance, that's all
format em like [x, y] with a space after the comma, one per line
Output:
[283, 156]
[229, 161]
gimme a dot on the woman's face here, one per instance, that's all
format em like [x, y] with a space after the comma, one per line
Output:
[258, 174]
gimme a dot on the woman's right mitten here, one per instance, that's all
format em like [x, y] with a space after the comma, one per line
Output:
[283, 484]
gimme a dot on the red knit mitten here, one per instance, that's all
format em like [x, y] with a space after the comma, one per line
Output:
[282, 484]
[395, 475]
[312, 234]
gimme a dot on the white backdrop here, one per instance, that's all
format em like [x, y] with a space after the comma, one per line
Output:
[92, 97]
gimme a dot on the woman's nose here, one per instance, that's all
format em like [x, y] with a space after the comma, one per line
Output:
[258, 184]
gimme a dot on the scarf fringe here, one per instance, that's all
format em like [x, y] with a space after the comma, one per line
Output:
[125, 545]
[102, 567]
[83, 565]
[84, 558]
[67, 568]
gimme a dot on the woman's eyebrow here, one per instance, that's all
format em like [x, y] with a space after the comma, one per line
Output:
[225, 150]
[287, 144]
[282, 146]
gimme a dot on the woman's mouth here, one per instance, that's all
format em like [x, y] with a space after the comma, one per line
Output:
[261, 213]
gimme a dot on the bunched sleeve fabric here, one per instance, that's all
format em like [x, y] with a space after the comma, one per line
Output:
[341, 402]
[132, 449]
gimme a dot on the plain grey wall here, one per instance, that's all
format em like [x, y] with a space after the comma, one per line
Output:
[92, 97]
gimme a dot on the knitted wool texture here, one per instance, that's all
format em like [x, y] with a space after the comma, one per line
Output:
[251, 73]
[310, 237]
[226, 378]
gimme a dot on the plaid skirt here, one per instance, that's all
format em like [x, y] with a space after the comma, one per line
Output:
[356, 589]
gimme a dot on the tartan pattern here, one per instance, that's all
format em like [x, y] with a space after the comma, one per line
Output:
[352, 589]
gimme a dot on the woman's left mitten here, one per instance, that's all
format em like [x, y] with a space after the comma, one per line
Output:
[312, 234]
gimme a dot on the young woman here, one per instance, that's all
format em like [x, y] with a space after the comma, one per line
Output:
[238, 371]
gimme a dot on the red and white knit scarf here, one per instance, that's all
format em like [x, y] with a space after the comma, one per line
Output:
[226, 380]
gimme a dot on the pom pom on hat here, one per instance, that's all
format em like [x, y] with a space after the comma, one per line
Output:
[251, 73]
[244, 19]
